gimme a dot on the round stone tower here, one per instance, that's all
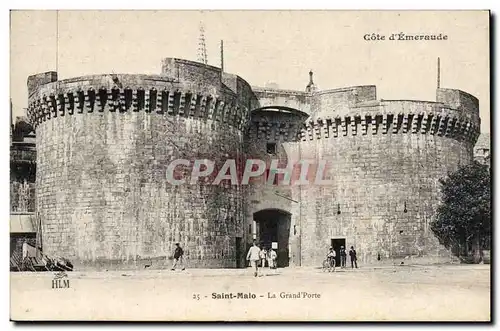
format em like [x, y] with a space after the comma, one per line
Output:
[385, 159]
[104, 144]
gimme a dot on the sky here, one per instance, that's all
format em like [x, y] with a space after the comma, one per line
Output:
[262, 47]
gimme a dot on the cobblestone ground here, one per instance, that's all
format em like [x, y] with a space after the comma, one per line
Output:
[423, 293]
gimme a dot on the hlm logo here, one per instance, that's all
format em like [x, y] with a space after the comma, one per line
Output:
[59, 281]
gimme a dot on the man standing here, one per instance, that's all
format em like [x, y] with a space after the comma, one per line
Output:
[178, 257]
[343, 257]
[254, 256]
[263, 257]
[331, 259]
[354, 259]
[271, 259]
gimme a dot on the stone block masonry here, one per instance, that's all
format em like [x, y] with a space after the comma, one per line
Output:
[103, 151]
[104, 143]
[384, 194]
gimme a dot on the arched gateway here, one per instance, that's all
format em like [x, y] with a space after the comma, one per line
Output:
[273, 226]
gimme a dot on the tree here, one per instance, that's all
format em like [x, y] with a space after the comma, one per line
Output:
[463, 220]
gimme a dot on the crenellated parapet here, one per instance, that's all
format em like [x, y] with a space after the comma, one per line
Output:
[279, 131]
[446, 123]
[160, 102]
[184, 88]
[278, 125]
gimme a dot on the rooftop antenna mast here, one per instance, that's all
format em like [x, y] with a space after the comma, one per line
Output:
[222, 55]
[439, 74]
[202, 48]
[57, 40]
[11, 122]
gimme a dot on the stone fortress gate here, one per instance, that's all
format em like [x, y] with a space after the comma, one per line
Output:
[104, 143]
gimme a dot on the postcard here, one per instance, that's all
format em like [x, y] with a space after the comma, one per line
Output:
[250, 166]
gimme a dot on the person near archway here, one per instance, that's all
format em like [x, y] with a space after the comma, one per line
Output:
[343, 257]
[331, 259]
[263, 257]
[178, 257]
[271, 258]
[253, 256]
[354, 259]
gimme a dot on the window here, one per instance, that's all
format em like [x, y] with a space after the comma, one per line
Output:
[271, 148]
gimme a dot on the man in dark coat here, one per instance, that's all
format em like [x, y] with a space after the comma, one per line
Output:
[178, 257]
[354, 259]
[343, 257]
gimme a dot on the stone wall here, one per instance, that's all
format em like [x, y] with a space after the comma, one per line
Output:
[339, 102]
[277, 127]
[465, 103]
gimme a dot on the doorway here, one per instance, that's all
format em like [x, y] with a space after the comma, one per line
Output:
[273, 226]
[238, 252]
[336, 244]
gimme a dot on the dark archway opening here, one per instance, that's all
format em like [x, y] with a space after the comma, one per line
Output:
[273, 226]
